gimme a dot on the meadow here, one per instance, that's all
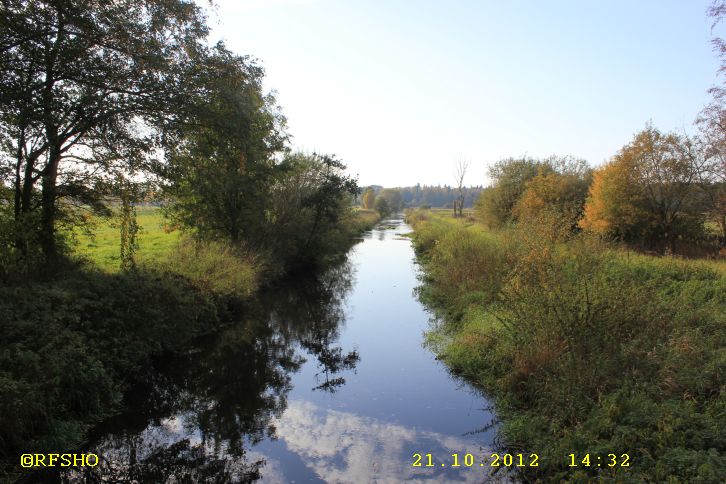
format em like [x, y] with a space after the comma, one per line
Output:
[158, 239]
[101, 243]
[586, 348]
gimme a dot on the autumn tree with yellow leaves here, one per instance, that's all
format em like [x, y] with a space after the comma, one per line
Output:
[647, 193]
[560, 187]
[368, 198]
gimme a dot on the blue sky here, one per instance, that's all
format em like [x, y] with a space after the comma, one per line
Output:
[399, 89]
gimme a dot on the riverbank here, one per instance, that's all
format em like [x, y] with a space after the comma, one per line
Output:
[75, 339]
[318, 371]
[587, 350]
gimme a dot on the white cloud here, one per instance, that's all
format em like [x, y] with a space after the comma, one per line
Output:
[343, 447]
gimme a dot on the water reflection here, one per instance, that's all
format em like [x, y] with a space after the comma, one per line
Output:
[344, 447]
[196, 417]
[313, 314]
[267, 398]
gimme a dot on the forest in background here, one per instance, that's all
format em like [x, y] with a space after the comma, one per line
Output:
[398, 198]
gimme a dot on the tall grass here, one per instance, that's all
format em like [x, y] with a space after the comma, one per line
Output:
[215, 268]
[584, 350]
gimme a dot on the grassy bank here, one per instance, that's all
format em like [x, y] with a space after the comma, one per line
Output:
[364, 219]
[586, 349]
[74, 340]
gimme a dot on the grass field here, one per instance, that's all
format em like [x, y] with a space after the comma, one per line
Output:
[156, 239]
[442, 219]
[102, 247]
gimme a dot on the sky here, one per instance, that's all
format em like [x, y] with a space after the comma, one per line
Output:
[401, 89]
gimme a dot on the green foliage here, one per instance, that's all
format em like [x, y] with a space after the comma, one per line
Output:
[393, 198]
[509, 178]
[220, 170]
[114, 74]
[583, 348]
[382, 207]
[442, 196]
[70, 345]
[129, 231]
[363, 220]
[308, 215]
[156, 239]
[562, 193]
[524, 187]
[217, 269]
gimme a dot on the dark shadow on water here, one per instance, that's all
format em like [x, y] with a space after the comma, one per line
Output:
[194, 417]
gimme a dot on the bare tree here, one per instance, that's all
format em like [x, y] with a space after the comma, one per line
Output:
[461, 165]
[712, 124]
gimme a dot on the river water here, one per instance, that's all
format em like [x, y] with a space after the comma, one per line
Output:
[323, 381]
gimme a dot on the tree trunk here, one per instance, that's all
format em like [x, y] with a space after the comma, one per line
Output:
[48, 212]
[18, 164]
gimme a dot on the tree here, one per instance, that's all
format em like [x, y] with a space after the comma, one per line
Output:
[393, 198]
[712, 126]
[368, 198]
[560, 187]
[647, 191]
[84, 87]
[308, 206]
[219, 170]
[460, 167]
[382, 207]
[509, 177]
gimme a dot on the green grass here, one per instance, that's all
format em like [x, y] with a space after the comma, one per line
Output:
[71, 343]
[583, 347]
[102, 246]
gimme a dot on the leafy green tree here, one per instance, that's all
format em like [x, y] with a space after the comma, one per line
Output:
[308, 208]
[382, 207]
[85, 87]
[220, 169]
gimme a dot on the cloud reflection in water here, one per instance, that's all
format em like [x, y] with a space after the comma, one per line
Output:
[342, 447]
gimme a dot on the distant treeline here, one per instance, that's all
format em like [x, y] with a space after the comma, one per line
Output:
[425, 195]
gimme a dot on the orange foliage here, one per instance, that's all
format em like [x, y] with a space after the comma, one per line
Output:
[553, 191]
[614, 203]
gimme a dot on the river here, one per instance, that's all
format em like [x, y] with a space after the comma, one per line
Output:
[323, 381]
